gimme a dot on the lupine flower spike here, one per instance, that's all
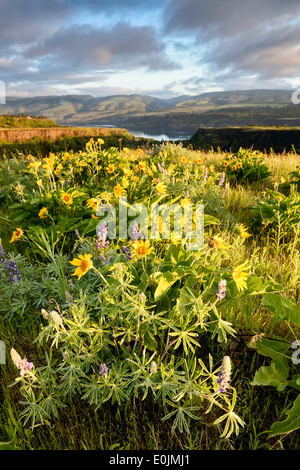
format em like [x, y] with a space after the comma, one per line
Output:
[22, 364]
[221, 292]
[103, 370]
[224, 374]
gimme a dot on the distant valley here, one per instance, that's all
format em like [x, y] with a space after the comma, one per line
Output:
[182, 115]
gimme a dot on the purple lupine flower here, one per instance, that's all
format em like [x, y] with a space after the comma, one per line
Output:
[222, 179]
[225, 190]
[14, 273]
[224, 374]
[12, 268]
[136, 232]
[126, 252]
[22, 364]
[221, 292]
[103, 370]
[102, 236]
[205, 175]
[2, 254]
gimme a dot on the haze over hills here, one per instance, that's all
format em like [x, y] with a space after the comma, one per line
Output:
[182, 114]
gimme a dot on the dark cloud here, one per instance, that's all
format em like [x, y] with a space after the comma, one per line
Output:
[123, 46]
[254, 37]
[267, 55]
[219, 18]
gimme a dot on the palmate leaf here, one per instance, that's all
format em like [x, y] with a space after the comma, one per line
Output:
[182, 412]
[291, 423]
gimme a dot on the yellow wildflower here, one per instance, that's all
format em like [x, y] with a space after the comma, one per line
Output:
[161, 188]
[243, 231]
[142, 166]
[217, 242]
[111, 169]
[141, 248]
[119, 191]
[240, 275]
[83, 263]
[67, 199]
[34, 165]
[16, 235]
[43, 214]
[106, 197]
[125, 182]
[128, 172]
[185, 201]
[93, 203]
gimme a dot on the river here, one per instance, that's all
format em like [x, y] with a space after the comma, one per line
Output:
[159, 137]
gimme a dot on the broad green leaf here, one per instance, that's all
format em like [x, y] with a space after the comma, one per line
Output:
[167, 279]
[274, 375]
[291, 423]
[283, 309]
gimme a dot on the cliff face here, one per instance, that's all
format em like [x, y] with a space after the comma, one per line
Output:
[21, 135]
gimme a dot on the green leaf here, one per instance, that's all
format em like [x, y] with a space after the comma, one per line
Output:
[274, 375]
[291, 423]
[210, 220]
[167, 279]
[283, 309]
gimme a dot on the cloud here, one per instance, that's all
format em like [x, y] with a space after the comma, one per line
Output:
[219, 18]
[254, 37]
[83, 46]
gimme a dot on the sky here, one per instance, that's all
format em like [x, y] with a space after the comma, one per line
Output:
[161, 48]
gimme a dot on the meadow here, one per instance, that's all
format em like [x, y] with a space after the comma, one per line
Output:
[142, 344]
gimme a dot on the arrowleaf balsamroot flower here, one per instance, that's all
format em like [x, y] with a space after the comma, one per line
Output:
[240, 276]
[43, 214]
[67, 199]
[161, 188]
[119, 191]
[243, 231]
[142, 248]
[217, 242]
[93, 204]
[17, 234]
[83, 263]
[224, 374]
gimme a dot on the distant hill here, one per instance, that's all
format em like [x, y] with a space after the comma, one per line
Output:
[182, 114]
[25, 122]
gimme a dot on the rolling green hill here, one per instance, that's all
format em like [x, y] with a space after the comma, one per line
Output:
[182, 114]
